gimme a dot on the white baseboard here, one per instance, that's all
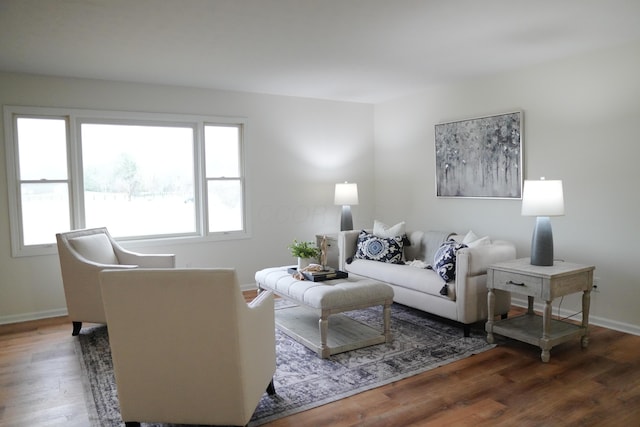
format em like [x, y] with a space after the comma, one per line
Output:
[25, 317]
[593, 320]
[249, 287]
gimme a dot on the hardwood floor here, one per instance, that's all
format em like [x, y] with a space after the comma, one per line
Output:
[41, 385]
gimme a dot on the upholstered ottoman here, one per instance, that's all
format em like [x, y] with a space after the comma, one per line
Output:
[309, 321]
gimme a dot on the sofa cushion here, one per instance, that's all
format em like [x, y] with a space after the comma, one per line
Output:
[375, 248]
[415, 250]
[444, 262]
[404, 276]
[424, 245]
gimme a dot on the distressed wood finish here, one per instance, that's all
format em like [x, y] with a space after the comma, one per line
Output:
[329, 335]
[297, 326]
[41, 385]
[520, 277]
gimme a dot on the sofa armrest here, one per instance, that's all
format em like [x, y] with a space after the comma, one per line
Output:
[347, 245]
[474, 261]
[471, 279]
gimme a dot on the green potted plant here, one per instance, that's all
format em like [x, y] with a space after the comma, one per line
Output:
[304, 251]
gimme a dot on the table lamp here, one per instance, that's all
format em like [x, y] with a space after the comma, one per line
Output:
[542, 199]
[346, 195]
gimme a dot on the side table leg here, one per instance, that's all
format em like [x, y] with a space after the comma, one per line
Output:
[586, 303]
[323, 324]
[546, 327]
[491, 302]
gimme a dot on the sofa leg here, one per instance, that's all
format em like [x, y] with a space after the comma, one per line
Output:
[271, 389]
[76, 328]
[467, 330]
[132, 424]
[503, 316]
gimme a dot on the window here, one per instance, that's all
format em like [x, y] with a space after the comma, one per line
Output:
[144, 176]
[42, 176]
[139, 179]
[224, 180]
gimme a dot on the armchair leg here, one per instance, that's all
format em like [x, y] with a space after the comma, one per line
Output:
[271, 389]
[76, 328]
[467, 330]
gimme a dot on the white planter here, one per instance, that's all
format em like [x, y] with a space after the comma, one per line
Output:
[303, 262]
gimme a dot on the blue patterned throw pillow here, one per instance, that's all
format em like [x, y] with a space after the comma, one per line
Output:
[381, 249]
[444, 262]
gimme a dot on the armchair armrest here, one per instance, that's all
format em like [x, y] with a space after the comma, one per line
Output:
[258, 323]
[145, 260]
[257, 341]
[261, 299]
[152, 260]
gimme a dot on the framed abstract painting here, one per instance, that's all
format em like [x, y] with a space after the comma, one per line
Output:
[480, 158]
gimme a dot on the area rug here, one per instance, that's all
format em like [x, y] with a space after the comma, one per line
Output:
[303, 381]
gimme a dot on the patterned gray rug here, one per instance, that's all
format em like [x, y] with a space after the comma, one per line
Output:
[304, 381]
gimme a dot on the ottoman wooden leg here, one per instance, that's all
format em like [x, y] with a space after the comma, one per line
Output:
[323, 323]
[386, 313]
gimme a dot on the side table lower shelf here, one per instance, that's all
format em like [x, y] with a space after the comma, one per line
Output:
[529, 328]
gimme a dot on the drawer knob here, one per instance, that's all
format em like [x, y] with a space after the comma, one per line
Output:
[511, 282]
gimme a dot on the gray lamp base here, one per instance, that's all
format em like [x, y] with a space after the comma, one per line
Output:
[542, 243]
[346, 221]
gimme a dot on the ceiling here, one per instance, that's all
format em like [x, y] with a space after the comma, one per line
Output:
[351, 50]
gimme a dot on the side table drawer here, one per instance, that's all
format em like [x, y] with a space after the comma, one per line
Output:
[517, 283]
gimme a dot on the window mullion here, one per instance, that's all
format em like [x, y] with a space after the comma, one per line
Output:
[200, 190]
[76, 188]
[13, 169]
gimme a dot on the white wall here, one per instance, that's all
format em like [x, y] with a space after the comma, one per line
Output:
[581, 125]
[297, 150]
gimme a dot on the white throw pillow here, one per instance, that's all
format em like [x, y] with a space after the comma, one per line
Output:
[380, 229]
[473, 241]
[469, 237]
[479, 242]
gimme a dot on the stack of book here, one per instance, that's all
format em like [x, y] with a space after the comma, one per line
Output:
[327, 273]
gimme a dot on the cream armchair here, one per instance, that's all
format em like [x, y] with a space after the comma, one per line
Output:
[186, 347]
[83, 254]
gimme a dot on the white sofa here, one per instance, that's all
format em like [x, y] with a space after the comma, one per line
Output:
[465, 298]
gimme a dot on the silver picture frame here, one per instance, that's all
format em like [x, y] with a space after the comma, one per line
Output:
[480, 157]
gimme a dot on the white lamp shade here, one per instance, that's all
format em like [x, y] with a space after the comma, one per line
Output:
[346, 194]
[542, 198]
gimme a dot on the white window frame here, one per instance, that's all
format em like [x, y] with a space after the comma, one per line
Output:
[75, 118]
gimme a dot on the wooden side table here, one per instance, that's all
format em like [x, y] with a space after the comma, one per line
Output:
[520, 277]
